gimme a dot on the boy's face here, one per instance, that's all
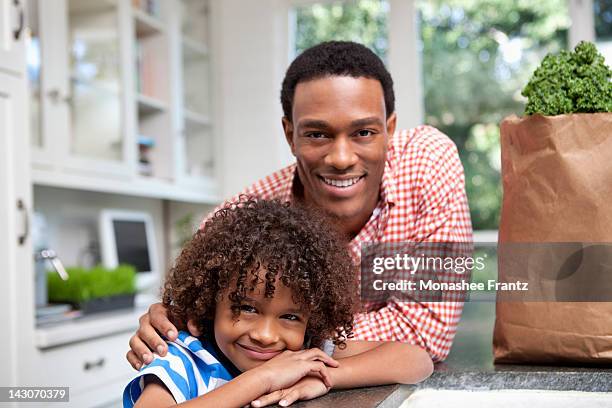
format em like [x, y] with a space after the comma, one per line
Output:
[265, 327]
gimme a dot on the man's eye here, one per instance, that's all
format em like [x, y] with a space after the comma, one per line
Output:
[365, 132]
[291, 317]
[316, 135]
[247, 309]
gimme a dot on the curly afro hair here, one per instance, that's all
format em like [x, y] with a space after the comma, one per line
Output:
[336, 58]
[299, 246]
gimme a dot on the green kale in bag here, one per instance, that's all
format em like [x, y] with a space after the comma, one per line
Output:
[570, 82]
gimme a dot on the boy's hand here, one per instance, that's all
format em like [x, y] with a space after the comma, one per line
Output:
[305, 389]
[147, 337]
[289, 367]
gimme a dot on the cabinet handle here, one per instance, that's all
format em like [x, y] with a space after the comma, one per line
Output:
[90, 365]
[17, 32]
[26, 222]
[57, 97]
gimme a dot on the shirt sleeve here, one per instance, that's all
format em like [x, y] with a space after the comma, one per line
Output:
[442, 215]
[173, 370]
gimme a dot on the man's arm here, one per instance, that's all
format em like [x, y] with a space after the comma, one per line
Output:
[365, 363]
[441, 215]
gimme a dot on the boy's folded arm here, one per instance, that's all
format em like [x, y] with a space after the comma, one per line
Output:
[277, 373]
[376, 363]
[362, 364]
[155, 395]
[236, 393]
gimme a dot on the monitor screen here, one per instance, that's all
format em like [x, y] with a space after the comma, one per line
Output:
[132, 245]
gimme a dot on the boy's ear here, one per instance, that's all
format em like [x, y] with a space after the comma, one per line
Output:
[193, 328]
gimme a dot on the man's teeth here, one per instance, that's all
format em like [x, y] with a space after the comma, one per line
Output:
[341, 183]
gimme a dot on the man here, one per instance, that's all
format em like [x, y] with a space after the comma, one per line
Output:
[339, 120]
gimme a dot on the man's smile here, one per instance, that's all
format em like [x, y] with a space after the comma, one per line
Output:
[345, 181]
[342, 186]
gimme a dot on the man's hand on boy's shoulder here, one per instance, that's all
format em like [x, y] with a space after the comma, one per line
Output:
[307, 388]
[147, 337]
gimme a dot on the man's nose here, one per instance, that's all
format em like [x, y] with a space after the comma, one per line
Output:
[265, 332]
[341, 154]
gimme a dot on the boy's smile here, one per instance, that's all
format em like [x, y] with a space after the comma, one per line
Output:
[265, 327]
[258, 353]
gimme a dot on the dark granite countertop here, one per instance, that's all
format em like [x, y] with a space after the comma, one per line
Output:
[469, 366]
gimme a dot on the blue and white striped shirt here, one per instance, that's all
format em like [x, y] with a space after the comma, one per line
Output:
[188, 370]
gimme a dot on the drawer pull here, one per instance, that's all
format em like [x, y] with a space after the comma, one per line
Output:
[90, 365]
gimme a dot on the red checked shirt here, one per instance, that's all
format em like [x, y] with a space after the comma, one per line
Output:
[422, 199]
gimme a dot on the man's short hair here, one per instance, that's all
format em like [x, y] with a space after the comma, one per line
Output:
[336, 58]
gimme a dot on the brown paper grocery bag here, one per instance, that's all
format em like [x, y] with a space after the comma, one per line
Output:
[557, 181]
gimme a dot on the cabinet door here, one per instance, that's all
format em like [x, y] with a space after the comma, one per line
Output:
[12, 20]
[16, 289]
[196, 161]
[94, 75]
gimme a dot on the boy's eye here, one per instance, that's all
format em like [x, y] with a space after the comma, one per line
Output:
[291, 317]
[247, 309]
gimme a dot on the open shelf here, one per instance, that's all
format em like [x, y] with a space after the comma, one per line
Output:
[195, 47]
[148, 105]
[196, 118]
[146, 24]
[138, 186]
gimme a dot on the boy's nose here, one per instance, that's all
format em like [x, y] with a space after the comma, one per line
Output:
[265, 332]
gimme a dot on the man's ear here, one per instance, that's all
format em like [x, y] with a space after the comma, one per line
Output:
[391, 124]
[193, 328]
[288, 129]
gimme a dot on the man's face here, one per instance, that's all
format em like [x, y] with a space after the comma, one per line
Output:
[265, 327]
[339, 134]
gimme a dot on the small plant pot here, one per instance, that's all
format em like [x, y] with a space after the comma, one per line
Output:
[107, 304]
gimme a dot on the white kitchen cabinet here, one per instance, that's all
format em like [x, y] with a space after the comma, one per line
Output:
[120, 97]
[197, 143]
[96, 370]
[44, 146]
[15, 206]
[12, 22]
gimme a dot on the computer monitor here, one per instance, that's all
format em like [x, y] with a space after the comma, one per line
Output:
[128, 237]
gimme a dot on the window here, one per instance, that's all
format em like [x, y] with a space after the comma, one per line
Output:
[603, 19]
[477, 56]
[602, 13]
[363, 21]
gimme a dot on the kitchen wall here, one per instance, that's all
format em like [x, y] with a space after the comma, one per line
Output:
[251, 51]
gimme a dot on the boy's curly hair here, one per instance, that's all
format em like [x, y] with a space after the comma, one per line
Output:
[297, 244]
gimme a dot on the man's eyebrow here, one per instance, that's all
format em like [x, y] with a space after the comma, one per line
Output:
[313, 123]
[372, 120]
[321, 124]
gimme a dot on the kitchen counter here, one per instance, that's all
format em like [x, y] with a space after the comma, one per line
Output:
[469, 366]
